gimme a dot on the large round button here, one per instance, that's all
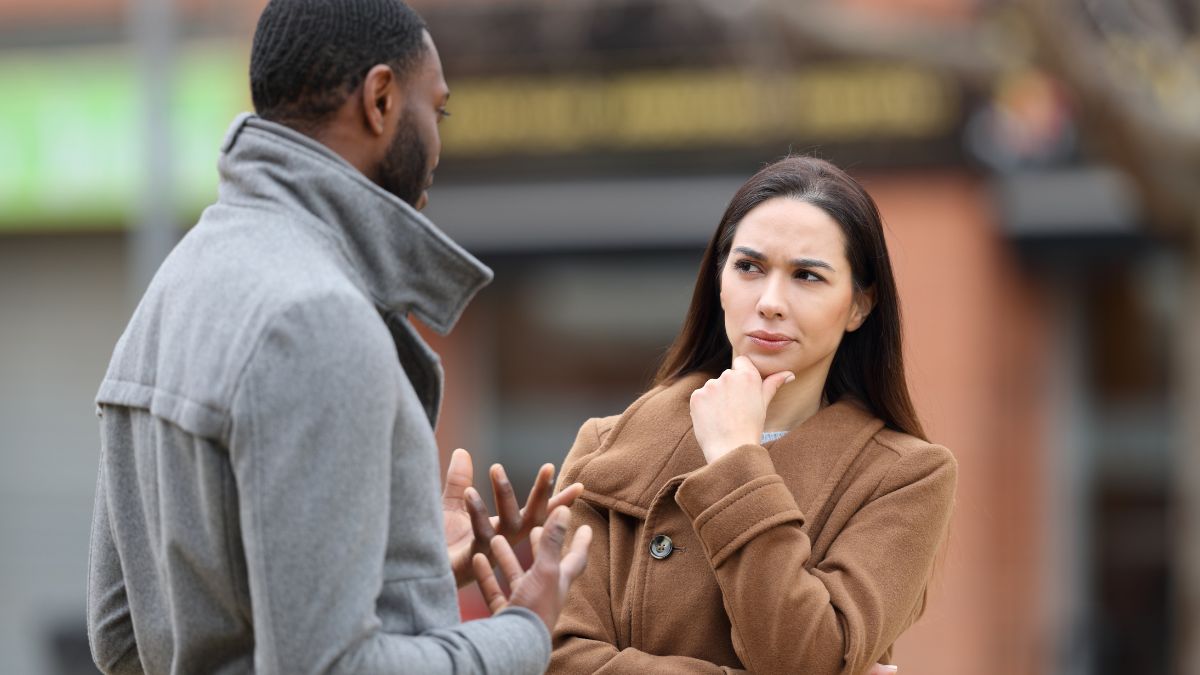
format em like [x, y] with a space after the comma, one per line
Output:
[661, 546]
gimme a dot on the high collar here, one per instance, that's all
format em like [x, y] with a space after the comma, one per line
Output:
[401, 259]
[653, 444]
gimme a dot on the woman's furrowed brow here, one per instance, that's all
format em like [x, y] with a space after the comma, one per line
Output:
[749, 252]
[812, 262]
[807, 263]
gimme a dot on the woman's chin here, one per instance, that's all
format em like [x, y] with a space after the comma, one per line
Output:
[766, 365]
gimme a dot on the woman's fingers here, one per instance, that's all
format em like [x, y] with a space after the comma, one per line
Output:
[729, 411]
[773, 383]
[743, 364]
[488, 585]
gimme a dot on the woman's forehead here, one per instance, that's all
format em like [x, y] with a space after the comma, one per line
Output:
[790, 228]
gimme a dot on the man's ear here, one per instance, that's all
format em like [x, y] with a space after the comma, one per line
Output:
[379, 98]
[864, 302]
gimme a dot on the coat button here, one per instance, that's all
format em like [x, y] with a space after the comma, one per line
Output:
[661, 547]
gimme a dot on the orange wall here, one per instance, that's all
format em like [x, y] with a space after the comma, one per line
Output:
[976, 339]
[915, 10]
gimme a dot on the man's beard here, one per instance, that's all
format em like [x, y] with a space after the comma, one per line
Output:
[402, 171]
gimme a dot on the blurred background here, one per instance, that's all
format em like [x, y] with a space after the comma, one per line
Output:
[1037, 164]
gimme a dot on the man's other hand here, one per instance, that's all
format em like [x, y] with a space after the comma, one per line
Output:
[469, 526]
[543, 588]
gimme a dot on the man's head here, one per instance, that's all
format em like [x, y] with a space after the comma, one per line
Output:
[361, 76]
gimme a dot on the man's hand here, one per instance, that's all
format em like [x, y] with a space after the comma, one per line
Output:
[880, 669]
[543, 588]
[470, 529]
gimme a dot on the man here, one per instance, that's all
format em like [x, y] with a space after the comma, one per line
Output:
[267, 497]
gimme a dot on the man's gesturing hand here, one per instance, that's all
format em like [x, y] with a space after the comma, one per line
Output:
[543, 588]
[470, 529]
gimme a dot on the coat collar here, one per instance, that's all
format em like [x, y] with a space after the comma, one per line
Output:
[653, 443]
[399, 258]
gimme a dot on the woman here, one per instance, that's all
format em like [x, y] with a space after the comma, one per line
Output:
[772, 504]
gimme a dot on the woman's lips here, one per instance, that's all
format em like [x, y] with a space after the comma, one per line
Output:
[769, 341]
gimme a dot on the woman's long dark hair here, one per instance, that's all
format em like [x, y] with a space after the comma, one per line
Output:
[869, 363]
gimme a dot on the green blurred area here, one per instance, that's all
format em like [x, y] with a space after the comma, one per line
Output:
[70, 139]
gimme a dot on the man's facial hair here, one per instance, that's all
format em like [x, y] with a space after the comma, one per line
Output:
[402, 171]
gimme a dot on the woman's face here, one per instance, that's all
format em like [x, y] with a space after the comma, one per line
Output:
[787, 289]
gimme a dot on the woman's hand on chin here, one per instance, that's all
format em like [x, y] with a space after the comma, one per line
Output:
[728, 411]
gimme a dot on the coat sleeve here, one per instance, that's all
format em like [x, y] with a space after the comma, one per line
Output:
[585, 638]
[313, 425]
[842, 616]
[109, 623]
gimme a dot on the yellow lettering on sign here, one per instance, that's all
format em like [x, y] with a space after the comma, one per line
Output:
[663, 110]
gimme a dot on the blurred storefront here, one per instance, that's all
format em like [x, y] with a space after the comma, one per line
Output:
[591, 151]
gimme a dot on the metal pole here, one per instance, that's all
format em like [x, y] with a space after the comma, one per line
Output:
[1070, 467]
[1186, 469]
[154, 234]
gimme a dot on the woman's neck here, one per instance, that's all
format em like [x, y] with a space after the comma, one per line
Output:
[794, 403]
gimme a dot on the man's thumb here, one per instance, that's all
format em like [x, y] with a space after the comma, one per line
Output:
[773, 383]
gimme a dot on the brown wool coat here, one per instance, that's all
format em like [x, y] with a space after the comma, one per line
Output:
[810, 555]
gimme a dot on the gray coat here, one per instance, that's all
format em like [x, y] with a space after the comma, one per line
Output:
[268, 494]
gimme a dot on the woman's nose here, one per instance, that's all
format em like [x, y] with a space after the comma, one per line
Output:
[770, 303]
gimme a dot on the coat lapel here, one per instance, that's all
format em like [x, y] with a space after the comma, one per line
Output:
[814, 457]
[651, 443]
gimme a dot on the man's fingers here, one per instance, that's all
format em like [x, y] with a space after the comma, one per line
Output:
[481, 524]
[488, 585]
[535, 509]
[566, 496]
[880, 669]
[773, 383]
[574, 562]
[550, 544]
[506, 501]
[535, 535]
[510, 567]
[459, 476]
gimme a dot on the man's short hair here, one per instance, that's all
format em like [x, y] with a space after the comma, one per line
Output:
[308, 56]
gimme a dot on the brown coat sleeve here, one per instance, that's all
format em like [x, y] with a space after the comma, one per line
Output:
[843, 615]
[585, 637]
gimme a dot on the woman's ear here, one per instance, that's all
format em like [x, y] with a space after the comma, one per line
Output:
[864, 302]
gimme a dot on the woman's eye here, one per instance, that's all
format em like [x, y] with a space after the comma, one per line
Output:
[805, 275]
[745, 266]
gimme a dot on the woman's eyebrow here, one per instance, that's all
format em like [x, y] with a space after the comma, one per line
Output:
[812, 262]
[749, 252]
[807, 263]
